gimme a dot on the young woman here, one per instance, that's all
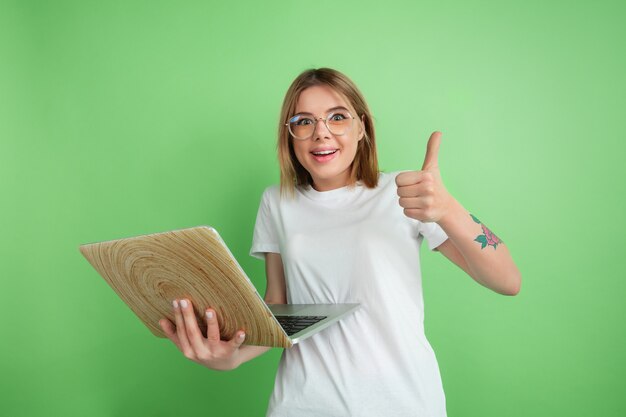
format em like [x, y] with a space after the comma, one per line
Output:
[339, 231]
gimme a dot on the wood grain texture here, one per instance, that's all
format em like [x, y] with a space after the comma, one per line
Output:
[150, 271]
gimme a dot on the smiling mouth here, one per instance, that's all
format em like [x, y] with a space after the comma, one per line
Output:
[324, 153]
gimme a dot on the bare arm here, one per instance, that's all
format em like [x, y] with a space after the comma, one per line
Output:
[471, 246]
[479, 252]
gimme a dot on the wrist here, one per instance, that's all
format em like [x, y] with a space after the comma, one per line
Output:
[222, 365]
[453, 213]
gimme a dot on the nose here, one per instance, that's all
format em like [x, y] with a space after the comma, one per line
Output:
[321, 130]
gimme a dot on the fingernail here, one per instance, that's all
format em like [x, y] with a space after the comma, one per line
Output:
[183, 303]
[209, 314]
[242, 335]
[175, 303]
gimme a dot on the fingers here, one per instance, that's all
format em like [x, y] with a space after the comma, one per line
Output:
[170, 331]
[421, 214]
[408, 178]
[237, 340]
[416, 202]
[212, 351]
[212, 328]
[213, 334]
[417, 190]
[194, 336]
[181, 332]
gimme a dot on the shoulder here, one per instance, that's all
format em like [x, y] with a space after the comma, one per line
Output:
[272, 191]
[270, 195]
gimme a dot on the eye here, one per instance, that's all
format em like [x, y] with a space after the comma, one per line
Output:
[304, 121]
[338, 117]
[300, 120]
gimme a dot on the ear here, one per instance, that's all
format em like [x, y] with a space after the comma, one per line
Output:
[362, 127]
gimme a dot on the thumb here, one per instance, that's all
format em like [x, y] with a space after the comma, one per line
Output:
[432, 152]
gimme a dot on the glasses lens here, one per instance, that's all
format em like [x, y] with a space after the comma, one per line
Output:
[339, 122]
[301, 126]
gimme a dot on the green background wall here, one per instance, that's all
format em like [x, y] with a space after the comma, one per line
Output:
[120, 118]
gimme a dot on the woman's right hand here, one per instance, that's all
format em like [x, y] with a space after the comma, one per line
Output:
[209, 351]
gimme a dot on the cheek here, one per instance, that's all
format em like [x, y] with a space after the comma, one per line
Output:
[300, 153]
[352, 146]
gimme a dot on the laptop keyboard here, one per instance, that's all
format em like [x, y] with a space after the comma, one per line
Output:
[294, 324]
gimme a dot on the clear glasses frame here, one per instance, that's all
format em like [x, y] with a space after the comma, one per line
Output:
[332, 129]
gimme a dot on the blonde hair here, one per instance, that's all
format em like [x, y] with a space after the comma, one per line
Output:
[365, 164]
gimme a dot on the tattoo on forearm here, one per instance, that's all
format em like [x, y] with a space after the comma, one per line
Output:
[488, 238]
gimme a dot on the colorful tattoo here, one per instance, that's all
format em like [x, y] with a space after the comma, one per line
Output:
[487, 238]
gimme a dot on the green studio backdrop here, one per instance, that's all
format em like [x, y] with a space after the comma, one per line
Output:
[121, 118]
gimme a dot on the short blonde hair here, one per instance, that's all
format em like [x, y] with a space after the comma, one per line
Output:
[365, 164]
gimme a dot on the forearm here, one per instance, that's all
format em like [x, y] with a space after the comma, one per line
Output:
[488, 259]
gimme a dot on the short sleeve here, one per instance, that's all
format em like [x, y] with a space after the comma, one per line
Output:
[433, 233]
[265, 238]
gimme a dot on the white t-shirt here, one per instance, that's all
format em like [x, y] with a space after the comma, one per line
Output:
[353, 245]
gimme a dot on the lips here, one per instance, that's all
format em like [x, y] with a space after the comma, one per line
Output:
[324, 155]
[326, 152]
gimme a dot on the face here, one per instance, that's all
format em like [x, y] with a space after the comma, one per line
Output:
[327, 157]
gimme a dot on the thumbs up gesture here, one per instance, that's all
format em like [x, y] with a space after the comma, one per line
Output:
[422, 193]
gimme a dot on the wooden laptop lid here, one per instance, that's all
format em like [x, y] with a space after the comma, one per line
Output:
[149, 272]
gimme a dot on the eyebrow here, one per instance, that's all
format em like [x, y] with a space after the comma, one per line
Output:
[327, 111]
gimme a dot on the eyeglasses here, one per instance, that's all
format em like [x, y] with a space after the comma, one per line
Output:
[302, 125]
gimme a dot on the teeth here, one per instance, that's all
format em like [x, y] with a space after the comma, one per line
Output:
[323, 152]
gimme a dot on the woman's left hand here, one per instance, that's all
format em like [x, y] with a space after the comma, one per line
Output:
[422, 193]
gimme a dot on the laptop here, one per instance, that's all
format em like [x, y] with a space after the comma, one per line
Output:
[148, 272]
